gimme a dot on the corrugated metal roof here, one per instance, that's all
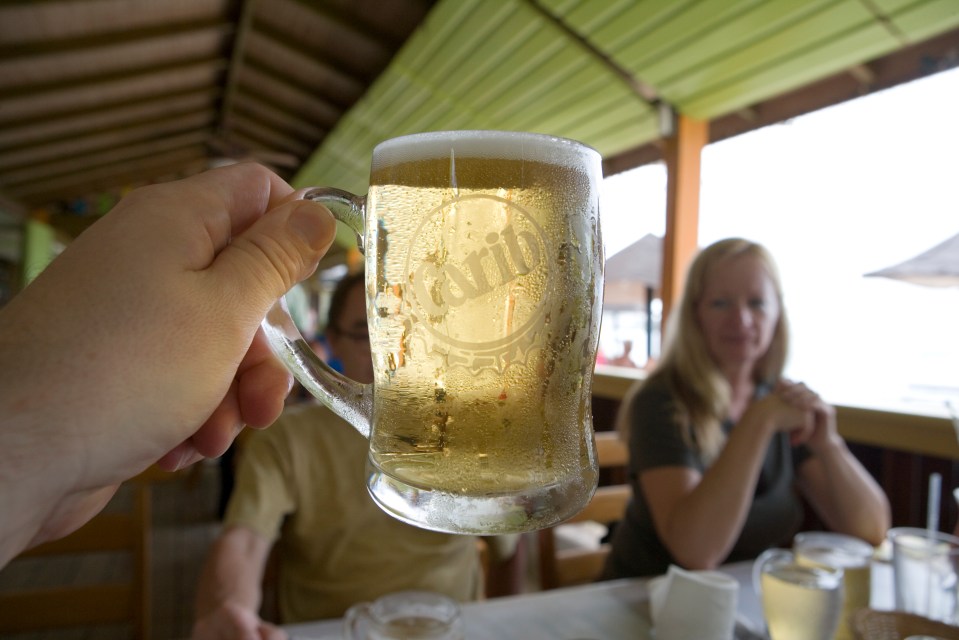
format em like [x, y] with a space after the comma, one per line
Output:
[99, 96]
[599, 71]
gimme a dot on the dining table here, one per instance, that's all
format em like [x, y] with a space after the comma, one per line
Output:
[611, 610]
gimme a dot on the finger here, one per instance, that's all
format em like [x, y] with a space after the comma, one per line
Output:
[808, 398]
[247, 190]
[782, 384]
[215, 435]
[256, 398]
[181, 456]
[800, 434]
[271, 632]
[277, 251]
[73, 512]
[263, 385]
[792, 396]
[798, 395]
[223, 202]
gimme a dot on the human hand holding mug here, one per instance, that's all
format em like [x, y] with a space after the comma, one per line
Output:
[484, 295]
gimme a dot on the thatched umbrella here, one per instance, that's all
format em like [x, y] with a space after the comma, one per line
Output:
[937, 267]
[633, 274]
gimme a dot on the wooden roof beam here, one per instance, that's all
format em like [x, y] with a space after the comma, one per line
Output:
[106, 176]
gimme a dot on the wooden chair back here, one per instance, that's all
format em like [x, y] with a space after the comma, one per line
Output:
[567, 567]
[86, 604]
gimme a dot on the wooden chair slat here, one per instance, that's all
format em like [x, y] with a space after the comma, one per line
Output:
[65, 605]
[567, 567]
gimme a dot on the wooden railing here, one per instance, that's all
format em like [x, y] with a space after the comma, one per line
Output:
[904, 432]
[901, 450]
[612, 383]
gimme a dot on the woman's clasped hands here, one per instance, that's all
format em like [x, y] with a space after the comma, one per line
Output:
[805, 415]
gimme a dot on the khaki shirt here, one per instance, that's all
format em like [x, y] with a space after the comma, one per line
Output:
[302, 483]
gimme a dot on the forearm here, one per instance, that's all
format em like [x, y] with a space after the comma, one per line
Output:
[60, 399]
[233, 572]
[705, 525]
[29, 491]
[45, 446]
[843, 493]
[19, 498]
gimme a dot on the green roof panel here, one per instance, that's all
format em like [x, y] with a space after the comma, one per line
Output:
[503, 64]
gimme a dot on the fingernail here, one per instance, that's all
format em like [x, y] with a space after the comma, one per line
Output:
[180, 461]
[314, 223]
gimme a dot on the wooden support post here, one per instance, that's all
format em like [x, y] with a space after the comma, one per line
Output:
[682, 152]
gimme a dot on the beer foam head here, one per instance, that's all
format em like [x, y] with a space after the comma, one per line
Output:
[507, 145]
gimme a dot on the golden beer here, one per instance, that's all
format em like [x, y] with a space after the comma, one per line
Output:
[485, 306]
[853, 556]
[484, 274]
[801, 603]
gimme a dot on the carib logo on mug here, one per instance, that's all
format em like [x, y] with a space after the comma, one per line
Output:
[480, 306]
[484, 277]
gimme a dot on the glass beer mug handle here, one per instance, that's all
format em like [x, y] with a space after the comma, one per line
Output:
[351, 400]
[767, 556]
[347, 208]
[355, 620]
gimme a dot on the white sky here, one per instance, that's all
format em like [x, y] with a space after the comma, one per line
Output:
[836, 194]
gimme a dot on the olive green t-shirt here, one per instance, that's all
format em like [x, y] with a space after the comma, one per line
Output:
[302, 483]
[655, 440]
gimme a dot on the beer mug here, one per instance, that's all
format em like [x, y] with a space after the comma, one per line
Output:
[484, 275]
[853, 556]
[800, 602]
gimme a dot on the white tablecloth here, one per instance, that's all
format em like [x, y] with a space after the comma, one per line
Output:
[601, 611]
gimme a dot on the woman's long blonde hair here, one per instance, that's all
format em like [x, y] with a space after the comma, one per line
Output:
[701, 392]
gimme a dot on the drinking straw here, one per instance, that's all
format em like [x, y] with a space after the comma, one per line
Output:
[932, 527]
[932, 516]
[954, 416]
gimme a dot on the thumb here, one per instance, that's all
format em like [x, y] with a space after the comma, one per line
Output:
[269, 631]
[280, 249]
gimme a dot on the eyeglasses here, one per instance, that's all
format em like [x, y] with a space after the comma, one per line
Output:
[358, 336]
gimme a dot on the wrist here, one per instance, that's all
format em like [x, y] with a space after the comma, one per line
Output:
[760, 416]
[37, 467]
[28, 491]
[831, 445]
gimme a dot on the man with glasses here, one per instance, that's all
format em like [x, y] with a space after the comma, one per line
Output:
[301, 490]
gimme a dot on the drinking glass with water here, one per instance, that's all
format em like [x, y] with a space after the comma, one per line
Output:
[926, 572]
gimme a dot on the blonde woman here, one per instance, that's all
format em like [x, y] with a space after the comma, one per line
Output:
[720, 442]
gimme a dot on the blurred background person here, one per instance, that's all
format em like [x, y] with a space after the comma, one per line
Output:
[624, 359]
[720, 442]
[301, 491]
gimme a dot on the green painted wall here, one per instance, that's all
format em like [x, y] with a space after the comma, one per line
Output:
[38, 247]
